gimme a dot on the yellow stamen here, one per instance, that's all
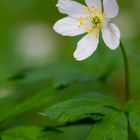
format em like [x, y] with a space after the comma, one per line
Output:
[93, 20]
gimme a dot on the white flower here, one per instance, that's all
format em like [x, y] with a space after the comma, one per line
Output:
[91, 20]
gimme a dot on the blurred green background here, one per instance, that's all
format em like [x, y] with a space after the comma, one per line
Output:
[28, 42]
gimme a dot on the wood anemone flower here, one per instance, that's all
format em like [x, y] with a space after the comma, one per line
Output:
[91, 19]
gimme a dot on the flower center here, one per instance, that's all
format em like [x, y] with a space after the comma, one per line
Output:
[93, 21]
[96, 20]
[96, 24]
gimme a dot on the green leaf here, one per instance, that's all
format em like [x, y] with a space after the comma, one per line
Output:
[132, 108]
[134, 120]
[24, 133]
[77, 108]
[112, 127]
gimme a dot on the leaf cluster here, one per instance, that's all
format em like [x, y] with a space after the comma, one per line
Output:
[45, 103]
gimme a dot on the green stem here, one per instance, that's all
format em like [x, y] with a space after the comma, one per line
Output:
[126, 68]
[127, 91]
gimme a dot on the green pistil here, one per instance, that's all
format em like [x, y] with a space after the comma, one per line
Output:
[96, 20]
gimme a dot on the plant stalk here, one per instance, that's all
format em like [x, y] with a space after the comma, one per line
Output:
[127, 91]
[126, 69]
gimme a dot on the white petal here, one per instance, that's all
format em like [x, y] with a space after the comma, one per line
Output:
[86, 46]
[96, 3]
[68, 27]
[111, 36]
[72, 8]
[111, 8]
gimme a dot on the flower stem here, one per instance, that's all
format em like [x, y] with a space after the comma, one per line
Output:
[127, 91]
[126, 69]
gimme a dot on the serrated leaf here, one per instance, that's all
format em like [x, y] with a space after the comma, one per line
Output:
[112, 127]
[74, 109]
[24, 133]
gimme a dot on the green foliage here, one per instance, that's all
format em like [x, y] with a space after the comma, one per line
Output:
[112, 127]
[59, 90]
[36, 81]
[135, 123]
[133, 110]
[132, 106]
[9, 108]
[67, 104]
[77, 108]
[62, 74]
[24, 133]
